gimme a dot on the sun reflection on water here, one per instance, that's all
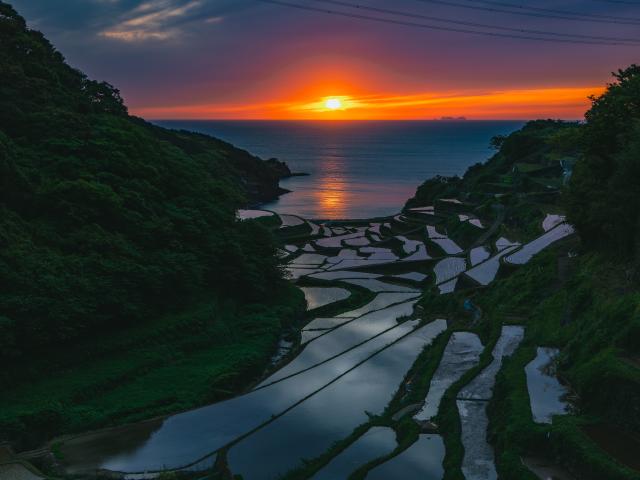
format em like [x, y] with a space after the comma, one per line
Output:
[334, 195]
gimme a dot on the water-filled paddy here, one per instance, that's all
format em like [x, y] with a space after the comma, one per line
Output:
[449, 246]
[374, 443]
[337, 275]
[314, 425]
[478, 459]
[448, 268]
[326, 323]
[460, 355]
[378, 286]
[546, 393]
[346, 367]
[432, 232]
[413, 276]
[503, 243]
[478, 255]
[160, 444]
[251, 214]
[448, 287]
[552, 220]
[481, 387]
[317, 297]
[381, 300]
[294, 273]
[309, 259]
[484, 273]
[336, 242]
[421, 461]
[408, 245]
[357, 242]
[527, 252]
[344, 338]
[308, 335]
[419, 255]
[290, 220]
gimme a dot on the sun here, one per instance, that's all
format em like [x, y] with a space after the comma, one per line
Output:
[333, 103]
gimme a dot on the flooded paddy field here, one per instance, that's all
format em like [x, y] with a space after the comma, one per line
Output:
[546, 393]
[340, 370]
[374, 443]
[421, 460]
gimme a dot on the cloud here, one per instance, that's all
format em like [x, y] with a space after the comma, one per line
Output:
[152, 20]
[212, 20]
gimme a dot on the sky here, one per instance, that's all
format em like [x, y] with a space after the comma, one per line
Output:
[376, 59]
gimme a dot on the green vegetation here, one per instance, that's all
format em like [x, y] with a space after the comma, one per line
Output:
[115, 236]
[604, 194]
[580, 299]
[129, 290]
[595, 326]
[587, 303]
[164, 365]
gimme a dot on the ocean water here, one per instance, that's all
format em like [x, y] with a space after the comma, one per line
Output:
[357, 169]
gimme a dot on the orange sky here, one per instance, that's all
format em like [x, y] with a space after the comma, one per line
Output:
[562, 102]
[242, 59]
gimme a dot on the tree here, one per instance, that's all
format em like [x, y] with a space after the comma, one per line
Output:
[604, 193]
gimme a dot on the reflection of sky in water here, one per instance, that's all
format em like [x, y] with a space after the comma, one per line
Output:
[422, 460]
[333, 194]
[546, 393]
[375, 442]
[211, 427]
[314, 425]
[358, 169]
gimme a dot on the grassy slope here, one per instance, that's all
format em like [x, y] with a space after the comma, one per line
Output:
[593, 315]
[176, 362]
[595, 325]
[127, 287]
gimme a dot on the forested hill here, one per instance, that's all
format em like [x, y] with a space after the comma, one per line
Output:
[106, 219]
[601, 159]
[581, 296]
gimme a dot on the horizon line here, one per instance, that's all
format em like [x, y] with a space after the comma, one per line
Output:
[335, 120]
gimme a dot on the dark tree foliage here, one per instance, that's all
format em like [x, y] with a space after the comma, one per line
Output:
[604, 195]
[539, 142]
[105, 219]
[432, 189]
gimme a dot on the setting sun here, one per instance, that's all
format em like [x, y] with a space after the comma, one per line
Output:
[333, 103]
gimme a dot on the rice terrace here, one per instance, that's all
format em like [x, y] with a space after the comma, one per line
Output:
[291, 255]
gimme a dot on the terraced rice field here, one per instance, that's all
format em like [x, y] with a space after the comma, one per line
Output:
[375, 443]
[528, 251]
[421, 460]
[336, 372]
[317, 297]
[546, 393]
[461, 354]
[252, 214]
[449, 268]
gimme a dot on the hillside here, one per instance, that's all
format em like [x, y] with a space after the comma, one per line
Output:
[581, 297]
[129, 290]
[115, 234]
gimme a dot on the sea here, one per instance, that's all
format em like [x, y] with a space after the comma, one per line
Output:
[357, 169]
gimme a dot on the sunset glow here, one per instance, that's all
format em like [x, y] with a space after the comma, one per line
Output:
[193, 59]
[564, 102]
